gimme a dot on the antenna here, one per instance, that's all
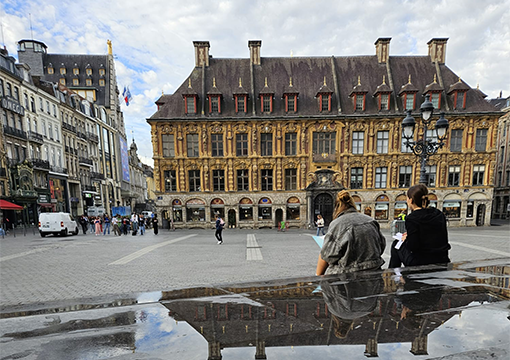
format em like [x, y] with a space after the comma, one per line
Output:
[31, 30]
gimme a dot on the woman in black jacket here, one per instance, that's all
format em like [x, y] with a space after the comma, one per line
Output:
[426, 239]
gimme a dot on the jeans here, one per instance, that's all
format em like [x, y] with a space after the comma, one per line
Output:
[106, 227]
[92, 228]
[319, 229]
[142, 229]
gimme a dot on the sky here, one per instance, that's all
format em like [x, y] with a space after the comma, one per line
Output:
[153, 39]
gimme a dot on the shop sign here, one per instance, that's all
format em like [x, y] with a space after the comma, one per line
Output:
[451, 204]
[13, 106]
[381, 206]
[43, 199]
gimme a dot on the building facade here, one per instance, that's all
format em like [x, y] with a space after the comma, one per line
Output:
[262, 140]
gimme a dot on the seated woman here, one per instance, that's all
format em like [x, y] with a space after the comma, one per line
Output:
[426, 239]
[353, 241]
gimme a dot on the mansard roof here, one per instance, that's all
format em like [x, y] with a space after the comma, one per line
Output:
[458, 86]
[308, 74]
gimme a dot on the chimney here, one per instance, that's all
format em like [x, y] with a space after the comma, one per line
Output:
[254, 46]
[437, 49]
[201, 53]
[382, 50]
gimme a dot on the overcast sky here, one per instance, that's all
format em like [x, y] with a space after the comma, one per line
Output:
[152, 39]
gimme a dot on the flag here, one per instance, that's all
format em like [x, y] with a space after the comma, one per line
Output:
[126, 95]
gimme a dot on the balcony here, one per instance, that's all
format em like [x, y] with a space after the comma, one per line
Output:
[24, 194]
[324, 158]
[93, 137]
[40, 164]
[85, 161]
[88, 188]
[82, 135]
[35, 137]
[69, 127]
[8, 130]
[58, 169]
[95, 175]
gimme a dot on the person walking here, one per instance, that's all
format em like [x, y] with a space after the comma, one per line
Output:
[134, 222]
[91, 223]
[320, 225]
[115, 224]
[219, 228]
[97, 223]
[141, 224]
[106, 224]
[155, 224]
[84, 222]
[125, 225]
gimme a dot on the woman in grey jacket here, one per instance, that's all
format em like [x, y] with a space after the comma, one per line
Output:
[353, 241]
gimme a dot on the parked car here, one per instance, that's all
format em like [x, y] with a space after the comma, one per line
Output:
[57, 224]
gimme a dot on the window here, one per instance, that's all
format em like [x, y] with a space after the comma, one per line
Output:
[88, 71]
[324, 142]
[76, 82]
[404, 148]
[16, 93]
[478, 172]
[194, 180]
[62, 81]
[460, 95]
[240, 103]
[385, 102]
[192, 142]
[380, 177]
[50, 131]
[481, 140]
[1, 87]
[410, 101]
[290, 179]
[101, 72]
[266, 178]
[51, 70]
[325, 102]
[404, 178]
[242, 144]
[291, 103]
[456, 140]
[26, 100]
[219, 180]
[502, 154]
[357, 178]
[358, 140]
[168, 145]
[48, 107]
[453, 175]
[76, 71]
[215, 104]
[242, 180]
[32, 104]
[430, 175]
[500, 178]
[62, 71]
[88, 82]
[190, 105]
[217, 144]
[266, 104]
[170, 180]
[434, 98]
[266, 144]
[507, 178]
[360, 102]
[101, 82]
[290, 144]
[382, 142]
[9, 90]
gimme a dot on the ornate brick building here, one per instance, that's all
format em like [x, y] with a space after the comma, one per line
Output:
[261, 140]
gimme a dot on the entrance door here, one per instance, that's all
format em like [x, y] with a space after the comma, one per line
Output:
[480, 215]
[231, 218]
[278, 217]
[323, 205]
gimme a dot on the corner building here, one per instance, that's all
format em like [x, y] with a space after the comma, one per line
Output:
[261, 140]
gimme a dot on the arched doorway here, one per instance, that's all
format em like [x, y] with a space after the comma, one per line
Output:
[480, 215]
[231, 218]
[278, 215]
[164, 220]
[323, 204]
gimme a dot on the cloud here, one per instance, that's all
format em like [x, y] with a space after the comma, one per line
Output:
[153, 46]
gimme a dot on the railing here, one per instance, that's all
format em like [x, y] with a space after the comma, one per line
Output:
[58, 169]
[15, 132]
[88, 188]
[24, 193]
[42, 164]
[93, 137]
[69, 127]
[68, 149]
[82, 135]
[95, 175]
[33, 136]
[85, 161]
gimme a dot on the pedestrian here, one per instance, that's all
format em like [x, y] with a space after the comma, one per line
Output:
[402, 216]
[320, 225]
[155, 224]
[220, 224]
[115, 223]
[91, 223]
[354, 241]
[84, 222]
[426, 239]
[134, 222]
[141, 224]
[106, 220]
[125, 225]
[97, 223]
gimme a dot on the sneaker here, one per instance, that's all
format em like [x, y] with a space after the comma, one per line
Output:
[220, 242]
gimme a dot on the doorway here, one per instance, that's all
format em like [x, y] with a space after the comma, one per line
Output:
[323, 205]
[480, 215]
[232, 218]
[278, 217]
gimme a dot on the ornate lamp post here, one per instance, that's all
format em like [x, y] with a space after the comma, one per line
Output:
[424, 148]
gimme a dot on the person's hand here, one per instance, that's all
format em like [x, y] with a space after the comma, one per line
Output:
[404, 236]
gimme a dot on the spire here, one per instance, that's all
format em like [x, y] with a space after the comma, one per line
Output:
[384, 79]
[359, 80]
[110, 51]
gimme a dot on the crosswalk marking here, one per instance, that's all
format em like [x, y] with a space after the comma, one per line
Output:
[253, 252]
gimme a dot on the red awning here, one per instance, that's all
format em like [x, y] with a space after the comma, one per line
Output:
[5, 205]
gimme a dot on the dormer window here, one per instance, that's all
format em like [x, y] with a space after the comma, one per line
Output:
[358, 94]
[76, 82]
[51, 70]
[408, 95]
[214, 96]
[88, 72]
[382, 94]
[436, 100]
[62, 81]
[76, 71]
[324, 96]
[101, 82]
[62, 71]
[190, 99]
[88, 82]
[434, 90]
[101, 72]
[409, 101]
[241, 98]
[384, 102]
[458, 92]
[290, 95]
[266, 98]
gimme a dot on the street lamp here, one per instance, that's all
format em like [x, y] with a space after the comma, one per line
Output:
[424, 148]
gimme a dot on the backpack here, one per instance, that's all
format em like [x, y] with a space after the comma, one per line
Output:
[222, 223]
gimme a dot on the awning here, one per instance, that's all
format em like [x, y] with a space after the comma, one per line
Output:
[5, 205]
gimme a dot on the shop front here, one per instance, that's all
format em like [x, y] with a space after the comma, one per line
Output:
[58, 194]
[382, 205]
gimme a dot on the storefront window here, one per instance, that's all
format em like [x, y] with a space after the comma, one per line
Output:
[195, 213]
[177, 210]
[399, 208]
[381, 208]
[470, 209]
[451, 209]
[217, 208]
[265, 209]
[293, 208]
[245, 212]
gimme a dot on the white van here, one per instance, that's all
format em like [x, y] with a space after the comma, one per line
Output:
[57, 224]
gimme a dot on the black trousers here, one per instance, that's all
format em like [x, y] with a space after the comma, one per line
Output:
[218, 234]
